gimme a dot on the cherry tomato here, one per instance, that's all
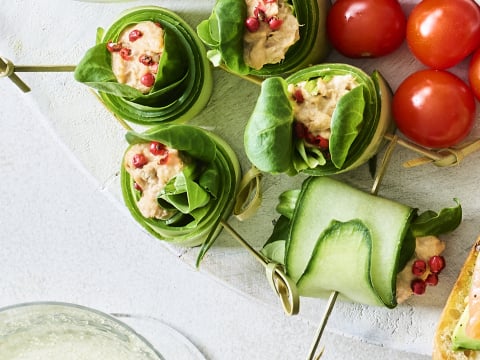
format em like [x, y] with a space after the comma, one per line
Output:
[434, 108]
[366, 28]
[441, 33]
[474, 73]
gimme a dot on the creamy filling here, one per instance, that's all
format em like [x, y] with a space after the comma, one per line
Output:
[426, 247]
[316, 101]
[266, 45]
[135, 64]
[152, 177]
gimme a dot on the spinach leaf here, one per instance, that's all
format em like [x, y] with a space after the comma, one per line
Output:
[184, 193]
[269, 130]
[431, 223]
[287, 202]
[197, 144]
[345, 126]
[307, 157]
[223, 32]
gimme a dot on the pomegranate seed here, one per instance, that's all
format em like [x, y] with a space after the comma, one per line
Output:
[259, 13]
[275, 23]
[436, 264]
[146, 60]
[135, 35]
[157, 148]
[432, 279]
[300, 130]
[154, 68]
[418, 286]
[137, 187]
[164, 159]
[252, 24]
[419, 267]
[125, 53]
[139, 160]
[113, 46]
[298, 96]
[159, 25]
[148, 79]
[322, 142]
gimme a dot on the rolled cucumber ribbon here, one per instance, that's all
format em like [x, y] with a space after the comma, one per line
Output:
[223, 33]
[183, 82]
[359, 122]
[199, 197]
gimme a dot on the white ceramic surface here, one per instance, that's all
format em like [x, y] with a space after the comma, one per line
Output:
[38, 33]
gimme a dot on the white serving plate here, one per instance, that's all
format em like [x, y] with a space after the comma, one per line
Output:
[96, 143]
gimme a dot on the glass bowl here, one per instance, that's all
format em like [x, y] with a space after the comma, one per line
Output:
[52, 330]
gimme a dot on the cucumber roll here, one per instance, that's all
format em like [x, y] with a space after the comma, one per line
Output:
[265, 38]
[179, 182]
[149, 67]
[333, 237]
[322, 120]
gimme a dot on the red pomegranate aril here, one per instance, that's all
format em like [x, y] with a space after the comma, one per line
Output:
[145, 59]
[114, 46]
[322, 142]
[300, 130]
[432, 279]
[137, 187]
[126, 53]
[252, 24]
[275, 23]
[298, 96]
[154, 68]
[135, 35]
[418, 286]
[436, 263]
[164, 159]
[419, 267]
[139, 160]
[157, 148]
[148, 79]
[259, 13]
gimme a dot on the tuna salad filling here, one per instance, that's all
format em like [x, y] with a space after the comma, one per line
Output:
[315, 101]
[152, 166]
[422, 270]
[136, 54]
[271, 29]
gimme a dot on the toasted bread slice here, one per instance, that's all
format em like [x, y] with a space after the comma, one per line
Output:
[456, 302]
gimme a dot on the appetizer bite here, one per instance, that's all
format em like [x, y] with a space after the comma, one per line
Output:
[322, 120]
[149, 67]
[389, 251]
[266, 37]
[179, 182]
[458, 331]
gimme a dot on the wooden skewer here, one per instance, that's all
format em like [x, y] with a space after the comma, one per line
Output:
[8, 69]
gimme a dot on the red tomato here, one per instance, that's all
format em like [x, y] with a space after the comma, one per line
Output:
[441, 33]
[366, 28]
[474, 73]
[434, 108]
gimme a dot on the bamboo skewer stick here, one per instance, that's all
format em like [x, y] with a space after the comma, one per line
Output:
[8, 69]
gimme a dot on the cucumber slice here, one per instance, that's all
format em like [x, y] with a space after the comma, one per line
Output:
[322, 200]
[348, 243]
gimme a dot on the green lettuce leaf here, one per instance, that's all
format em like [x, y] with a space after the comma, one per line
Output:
[269, 130]
[431, 223]
[346, 121]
